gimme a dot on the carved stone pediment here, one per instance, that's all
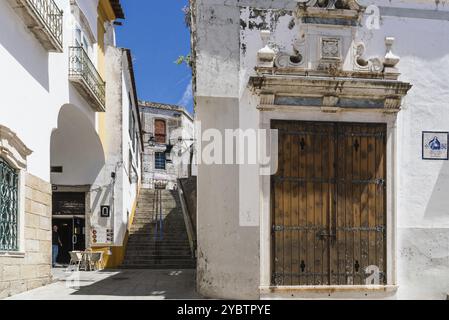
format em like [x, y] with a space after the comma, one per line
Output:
[13, 149]
[330, 12]
[332, 4]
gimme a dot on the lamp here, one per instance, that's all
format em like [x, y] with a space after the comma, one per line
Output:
[168, 150]
[152, 141]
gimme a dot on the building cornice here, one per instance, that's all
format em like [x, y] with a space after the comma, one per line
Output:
[331, 94]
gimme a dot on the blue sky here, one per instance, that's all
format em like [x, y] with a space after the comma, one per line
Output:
[157, 35]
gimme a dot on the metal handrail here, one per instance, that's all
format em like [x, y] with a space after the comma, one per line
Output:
[159, 225]
[81, 66]
[187, 220]
[50, 15]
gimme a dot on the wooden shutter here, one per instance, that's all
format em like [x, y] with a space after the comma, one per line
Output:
[160, 131]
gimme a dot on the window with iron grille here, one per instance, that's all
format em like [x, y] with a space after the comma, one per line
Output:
[160, 131]
[160, 160]
[8, 207]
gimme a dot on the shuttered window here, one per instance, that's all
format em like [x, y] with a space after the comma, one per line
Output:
[8, 207]
[160, 131]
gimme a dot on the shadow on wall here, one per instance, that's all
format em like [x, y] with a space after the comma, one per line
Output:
[23, 46]
[77, 148]
[438, 205]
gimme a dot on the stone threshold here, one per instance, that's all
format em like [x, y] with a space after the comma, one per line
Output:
[326, 292]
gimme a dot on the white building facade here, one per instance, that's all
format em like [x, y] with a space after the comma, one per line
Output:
[166, 125]
[62, 102]
[355, 206]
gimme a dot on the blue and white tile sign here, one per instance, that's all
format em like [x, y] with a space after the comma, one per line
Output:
[435, 145]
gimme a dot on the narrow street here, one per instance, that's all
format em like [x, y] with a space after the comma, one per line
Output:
[116, 285]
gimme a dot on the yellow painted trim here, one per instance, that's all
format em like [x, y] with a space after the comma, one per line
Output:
[106, 10]
[103, 16]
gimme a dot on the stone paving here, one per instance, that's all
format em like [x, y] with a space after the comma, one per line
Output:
[116, 285]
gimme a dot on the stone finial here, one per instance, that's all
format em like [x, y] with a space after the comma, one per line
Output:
[391, 60]
[266, 55]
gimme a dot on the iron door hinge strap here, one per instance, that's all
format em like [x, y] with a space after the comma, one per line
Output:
[380, 229]
[282, 228]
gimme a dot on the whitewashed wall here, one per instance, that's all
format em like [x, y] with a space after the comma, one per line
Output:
[35, 85]
[44, 109]
[226, 57]
[120, 193]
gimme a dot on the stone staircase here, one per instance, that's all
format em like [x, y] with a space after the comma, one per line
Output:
[156, 243]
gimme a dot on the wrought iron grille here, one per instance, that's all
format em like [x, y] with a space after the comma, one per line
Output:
[82, 67]
[160, 160]
[8, 207]
[50, 15]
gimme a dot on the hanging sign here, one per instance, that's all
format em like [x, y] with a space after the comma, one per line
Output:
[435, 145]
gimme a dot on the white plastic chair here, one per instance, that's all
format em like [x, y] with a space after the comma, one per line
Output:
[76, 258]
[96, 260]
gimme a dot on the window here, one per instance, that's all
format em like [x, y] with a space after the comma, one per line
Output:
[132, 124]
[130, 116]
[130, 166]
[159, 160]
[8, 207]
[81, 40]
[160, 131]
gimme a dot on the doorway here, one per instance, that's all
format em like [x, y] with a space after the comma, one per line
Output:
[69, 216]
[329, 203]
[72, 234]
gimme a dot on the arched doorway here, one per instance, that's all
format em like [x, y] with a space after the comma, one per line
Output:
[76, 157]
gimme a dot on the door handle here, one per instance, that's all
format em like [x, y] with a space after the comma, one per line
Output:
[74, 239]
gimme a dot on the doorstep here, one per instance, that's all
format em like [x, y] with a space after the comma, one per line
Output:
[328, 292]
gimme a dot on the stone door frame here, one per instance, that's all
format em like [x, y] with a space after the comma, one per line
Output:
[266, 289]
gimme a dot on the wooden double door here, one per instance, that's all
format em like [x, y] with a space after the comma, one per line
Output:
[329, 204]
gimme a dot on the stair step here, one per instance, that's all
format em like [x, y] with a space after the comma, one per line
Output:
[161, 262]
[159, 267]
[155, 242]
[144, 249]
[157, 257]
[165, 252]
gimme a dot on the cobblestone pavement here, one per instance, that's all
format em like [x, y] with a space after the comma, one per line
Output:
[116, 285]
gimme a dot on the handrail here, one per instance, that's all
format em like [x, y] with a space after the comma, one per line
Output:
[81, 66]
[159, 226]
[50, 15]
[187, 220]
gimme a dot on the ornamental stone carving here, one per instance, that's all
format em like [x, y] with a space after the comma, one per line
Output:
[13, 149]
[362, 64]
[330, 48]
[332, 4]
[294, 59]
[267, 54]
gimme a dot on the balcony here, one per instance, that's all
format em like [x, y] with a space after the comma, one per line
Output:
[85, 77]
[44, 19]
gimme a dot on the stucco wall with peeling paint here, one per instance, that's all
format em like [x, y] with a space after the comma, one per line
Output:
[228, 38]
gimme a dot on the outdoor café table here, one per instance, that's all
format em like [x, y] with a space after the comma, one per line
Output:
[86, 258]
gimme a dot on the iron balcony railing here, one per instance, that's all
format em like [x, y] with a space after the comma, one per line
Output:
[83, 72]
[50, 15]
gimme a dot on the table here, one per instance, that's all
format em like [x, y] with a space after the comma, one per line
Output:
[86, 260]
